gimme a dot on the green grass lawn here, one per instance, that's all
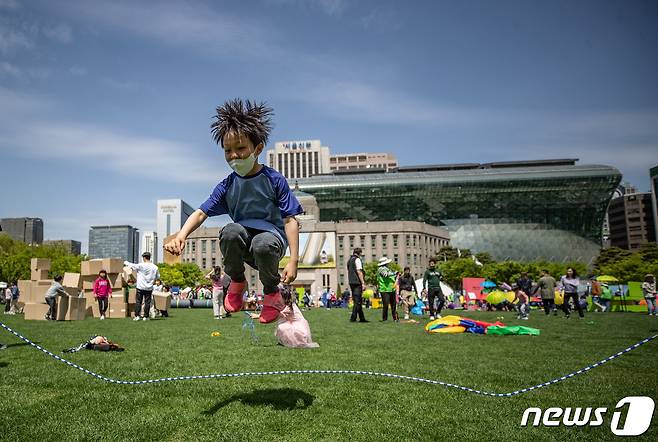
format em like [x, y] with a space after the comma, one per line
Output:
[43, 399]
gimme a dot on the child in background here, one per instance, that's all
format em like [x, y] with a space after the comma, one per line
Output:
[522, 306]
[260, 203]
[54, 290]
[649, 292]
[102, 290]
[606, 297]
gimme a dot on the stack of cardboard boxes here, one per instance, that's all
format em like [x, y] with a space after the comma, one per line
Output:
[33, 291]
[89, 270]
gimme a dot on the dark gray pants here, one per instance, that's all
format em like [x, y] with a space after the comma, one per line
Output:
[52, 308]
[357, 309]
[261, 250]
[143, 295]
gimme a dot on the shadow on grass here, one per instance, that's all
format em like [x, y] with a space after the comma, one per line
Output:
[20, 344]
[280, 399]
[4, 364]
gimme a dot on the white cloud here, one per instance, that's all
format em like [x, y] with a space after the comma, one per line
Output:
[29, 131]
[61, 33]
[78, 71]
[15, 37]
[9, 4]
[10, 69]
[192, 24]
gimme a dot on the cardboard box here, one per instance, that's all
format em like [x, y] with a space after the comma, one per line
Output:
[36, 275]
[92, 310]
[77, 309]
[39, 289]
[132, 296]
[35, 312]
[73, 292]
[62, 307]
[88, 281]
[40, 264]
[116, 281]
[113, 265]
[117, 309]
[91, 267]
[131, 309]
[162, 301]
[72, 280]
[25, 289]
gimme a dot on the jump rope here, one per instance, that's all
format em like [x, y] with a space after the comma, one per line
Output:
[330, 372]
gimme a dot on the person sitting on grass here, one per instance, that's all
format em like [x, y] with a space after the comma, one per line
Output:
[260, 203]
[51, 297]
[102, 290]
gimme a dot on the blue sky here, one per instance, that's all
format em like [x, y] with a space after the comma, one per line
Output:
[105, 107]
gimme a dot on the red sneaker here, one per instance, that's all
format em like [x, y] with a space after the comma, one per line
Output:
[233, 299]
[273, 305]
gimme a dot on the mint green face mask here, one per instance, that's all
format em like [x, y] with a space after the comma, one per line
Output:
[242, 166]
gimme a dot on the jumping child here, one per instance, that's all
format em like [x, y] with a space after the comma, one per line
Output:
[260, 203]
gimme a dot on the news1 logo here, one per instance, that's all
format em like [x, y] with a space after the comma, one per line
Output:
[634, 422]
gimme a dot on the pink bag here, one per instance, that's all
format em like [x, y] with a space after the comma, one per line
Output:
[293, 330]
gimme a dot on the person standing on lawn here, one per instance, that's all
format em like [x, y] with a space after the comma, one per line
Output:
[649, 292]
[386, 279]
[259, 201]
[102, 290]
[569, 284]
[356, 279]
[407, 289]
[546, 286]
[217, 279]
[432, 283]
[147, 273]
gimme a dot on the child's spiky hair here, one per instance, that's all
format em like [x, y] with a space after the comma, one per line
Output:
[246, 117]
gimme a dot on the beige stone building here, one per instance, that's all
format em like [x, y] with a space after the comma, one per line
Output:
[350, 161]
[408, 243]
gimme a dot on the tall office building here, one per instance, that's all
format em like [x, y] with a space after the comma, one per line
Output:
[352, 161]
[28, 230]
[75, 247]
[631, 221]
[171, 216]
[149, 244]
[114, 242]
[299, 159]
[653, 173]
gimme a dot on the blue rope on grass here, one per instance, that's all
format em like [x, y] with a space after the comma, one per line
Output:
[337, 372]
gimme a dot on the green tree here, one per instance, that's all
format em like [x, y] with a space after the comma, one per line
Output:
[609, 256]
[455, 270]
[447, 253]
[181, 274]
[484, 258]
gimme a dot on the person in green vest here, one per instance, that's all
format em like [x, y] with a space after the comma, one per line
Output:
[432, 283]
[386, 278]
[606, 297]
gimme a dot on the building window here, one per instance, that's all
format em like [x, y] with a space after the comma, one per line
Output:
[351, 242]
[396, 258]
[407, 240]
[203, 246]
[408, 263]
[395, 240]
[362, 241]
[168, 225]
[384, 243]
[193, 246]
[214, 262]
[203, 263]
[342, 279]
[213, 246]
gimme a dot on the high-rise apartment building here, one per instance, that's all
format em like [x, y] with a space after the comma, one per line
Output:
[28, 230]
[171, 216]
[299, 159]
[631, 221]
[114, 242]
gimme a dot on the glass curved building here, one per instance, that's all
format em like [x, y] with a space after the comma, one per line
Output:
[547, 209]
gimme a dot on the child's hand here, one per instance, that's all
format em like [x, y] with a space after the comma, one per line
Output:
[175, 246]
[289, 273]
